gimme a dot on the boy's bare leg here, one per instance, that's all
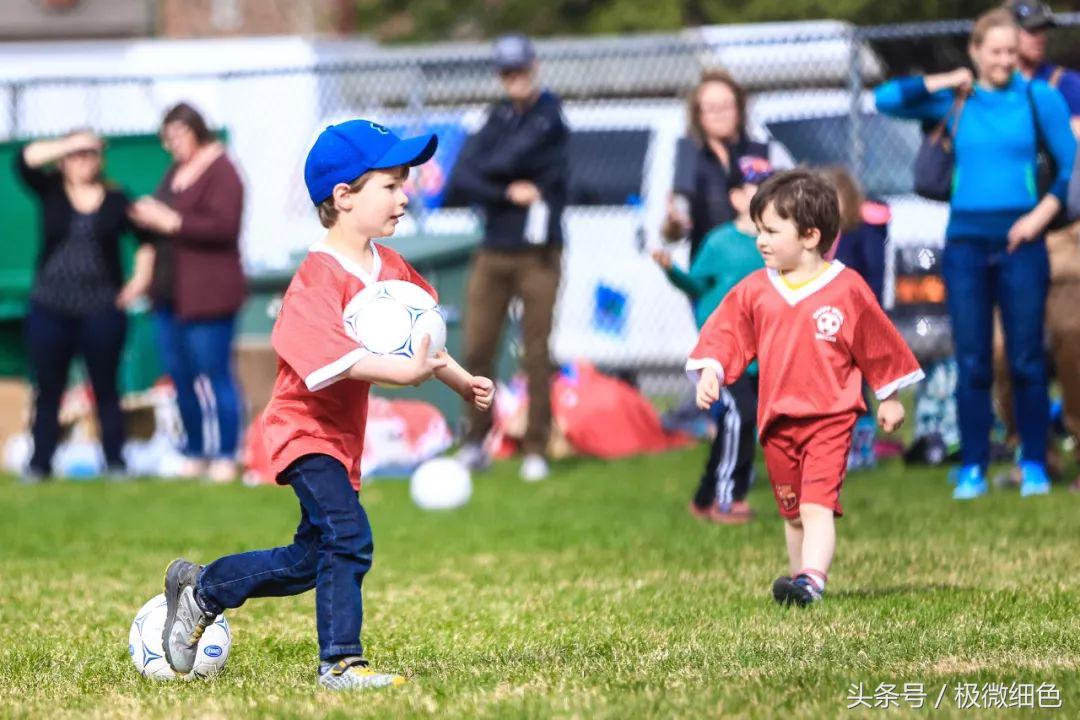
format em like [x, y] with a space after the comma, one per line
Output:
[793, 533]
[819, 540]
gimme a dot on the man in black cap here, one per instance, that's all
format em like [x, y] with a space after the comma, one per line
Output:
[1035, 18]
[515, 169]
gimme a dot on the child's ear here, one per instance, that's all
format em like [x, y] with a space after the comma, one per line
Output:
[342, 196]
[811, 238]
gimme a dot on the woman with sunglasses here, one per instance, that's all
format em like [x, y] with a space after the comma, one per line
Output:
[78, 295]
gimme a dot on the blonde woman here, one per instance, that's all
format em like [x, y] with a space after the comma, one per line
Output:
[995, 252]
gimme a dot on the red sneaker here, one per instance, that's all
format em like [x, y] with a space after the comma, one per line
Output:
[736, 513]
[699, 512]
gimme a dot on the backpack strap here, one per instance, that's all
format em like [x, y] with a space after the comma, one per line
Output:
[954, 112]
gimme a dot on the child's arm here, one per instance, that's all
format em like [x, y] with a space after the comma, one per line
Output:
[890, 413]
[478, 390]
[390, 370]
[694, 283]
[726, 346]
[708, 387]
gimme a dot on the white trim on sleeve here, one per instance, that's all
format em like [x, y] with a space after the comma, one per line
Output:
[694, 366]
[328, 374]
[899, 384]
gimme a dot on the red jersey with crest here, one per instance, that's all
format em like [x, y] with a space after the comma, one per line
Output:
[312, 409]
[814, 344]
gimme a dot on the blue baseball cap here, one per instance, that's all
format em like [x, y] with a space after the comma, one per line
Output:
[345, 151]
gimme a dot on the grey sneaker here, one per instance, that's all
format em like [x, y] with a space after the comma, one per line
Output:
[353, 673]
[185, 620]
[474, 457]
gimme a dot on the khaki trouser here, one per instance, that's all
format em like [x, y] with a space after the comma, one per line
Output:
[498, 276]
[1063, 331]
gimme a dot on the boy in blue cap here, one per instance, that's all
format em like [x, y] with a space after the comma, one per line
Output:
[314, 423]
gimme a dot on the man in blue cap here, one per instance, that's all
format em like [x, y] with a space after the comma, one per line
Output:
[515, 169]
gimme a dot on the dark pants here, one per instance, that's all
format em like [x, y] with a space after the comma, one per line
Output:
[980, 274]
[330, 552]
[53, 340]
[497, 276]
[730, 466]
[198, 349]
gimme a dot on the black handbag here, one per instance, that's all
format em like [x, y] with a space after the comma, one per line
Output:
[936, 161]
[1046, 168]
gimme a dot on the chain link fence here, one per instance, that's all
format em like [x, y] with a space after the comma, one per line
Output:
[810, 96]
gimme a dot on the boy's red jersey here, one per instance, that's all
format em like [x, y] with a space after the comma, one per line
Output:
[311, 410]
[814, 344]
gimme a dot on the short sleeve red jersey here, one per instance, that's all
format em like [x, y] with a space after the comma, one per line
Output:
[814, 344]
[312, 408]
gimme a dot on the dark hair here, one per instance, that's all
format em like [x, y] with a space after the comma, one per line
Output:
[693, 101]
[190, 117]
[806, 199]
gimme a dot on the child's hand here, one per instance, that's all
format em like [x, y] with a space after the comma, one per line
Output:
[482, 392]
[662, 258]
[708, 388]
[890, 415]
[420, 366]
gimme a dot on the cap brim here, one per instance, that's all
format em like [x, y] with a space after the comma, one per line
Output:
[410, 152]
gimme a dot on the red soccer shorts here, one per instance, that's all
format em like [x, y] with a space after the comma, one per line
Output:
[807, 460]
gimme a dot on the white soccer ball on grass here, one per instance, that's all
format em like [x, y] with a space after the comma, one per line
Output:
[145, 648]
[441, 484]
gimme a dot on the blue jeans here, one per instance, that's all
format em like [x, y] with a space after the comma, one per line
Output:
[202, 348]
[330, 552]
[979, 274]
[53, 340]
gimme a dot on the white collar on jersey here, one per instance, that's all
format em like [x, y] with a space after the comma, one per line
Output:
[351, 266]
[794, 295]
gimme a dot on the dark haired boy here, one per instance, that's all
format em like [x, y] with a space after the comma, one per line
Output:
[817, 331]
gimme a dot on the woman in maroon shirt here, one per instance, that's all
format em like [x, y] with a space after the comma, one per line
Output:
[198, 286]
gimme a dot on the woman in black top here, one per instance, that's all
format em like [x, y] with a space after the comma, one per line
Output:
[78, 296]
[717, 139]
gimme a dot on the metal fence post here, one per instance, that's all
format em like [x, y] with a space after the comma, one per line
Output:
[855, 87]
[13, 109]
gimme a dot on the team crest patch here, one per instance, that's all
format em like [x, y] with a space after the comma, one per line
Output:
[786, 497]
[828, 321]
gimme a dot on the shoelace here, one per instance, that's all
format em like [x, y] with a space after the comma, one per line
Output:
[197, 633]
[342, 666]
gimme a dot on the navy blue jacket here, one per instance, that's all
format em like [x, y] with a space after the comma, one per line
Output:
[710, 205]
[863, 247]
[515, 146]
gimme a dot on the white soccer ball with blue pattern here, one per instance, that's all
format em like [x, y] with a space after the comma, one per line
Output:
[391, 317]
[144, 645]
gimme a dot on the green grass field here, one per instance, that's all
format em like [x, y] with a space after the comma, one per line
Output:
[591, 595]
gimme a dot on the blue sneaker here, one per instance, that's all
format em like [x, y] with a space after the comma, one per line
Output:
[1034, 480]
[970, 483]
